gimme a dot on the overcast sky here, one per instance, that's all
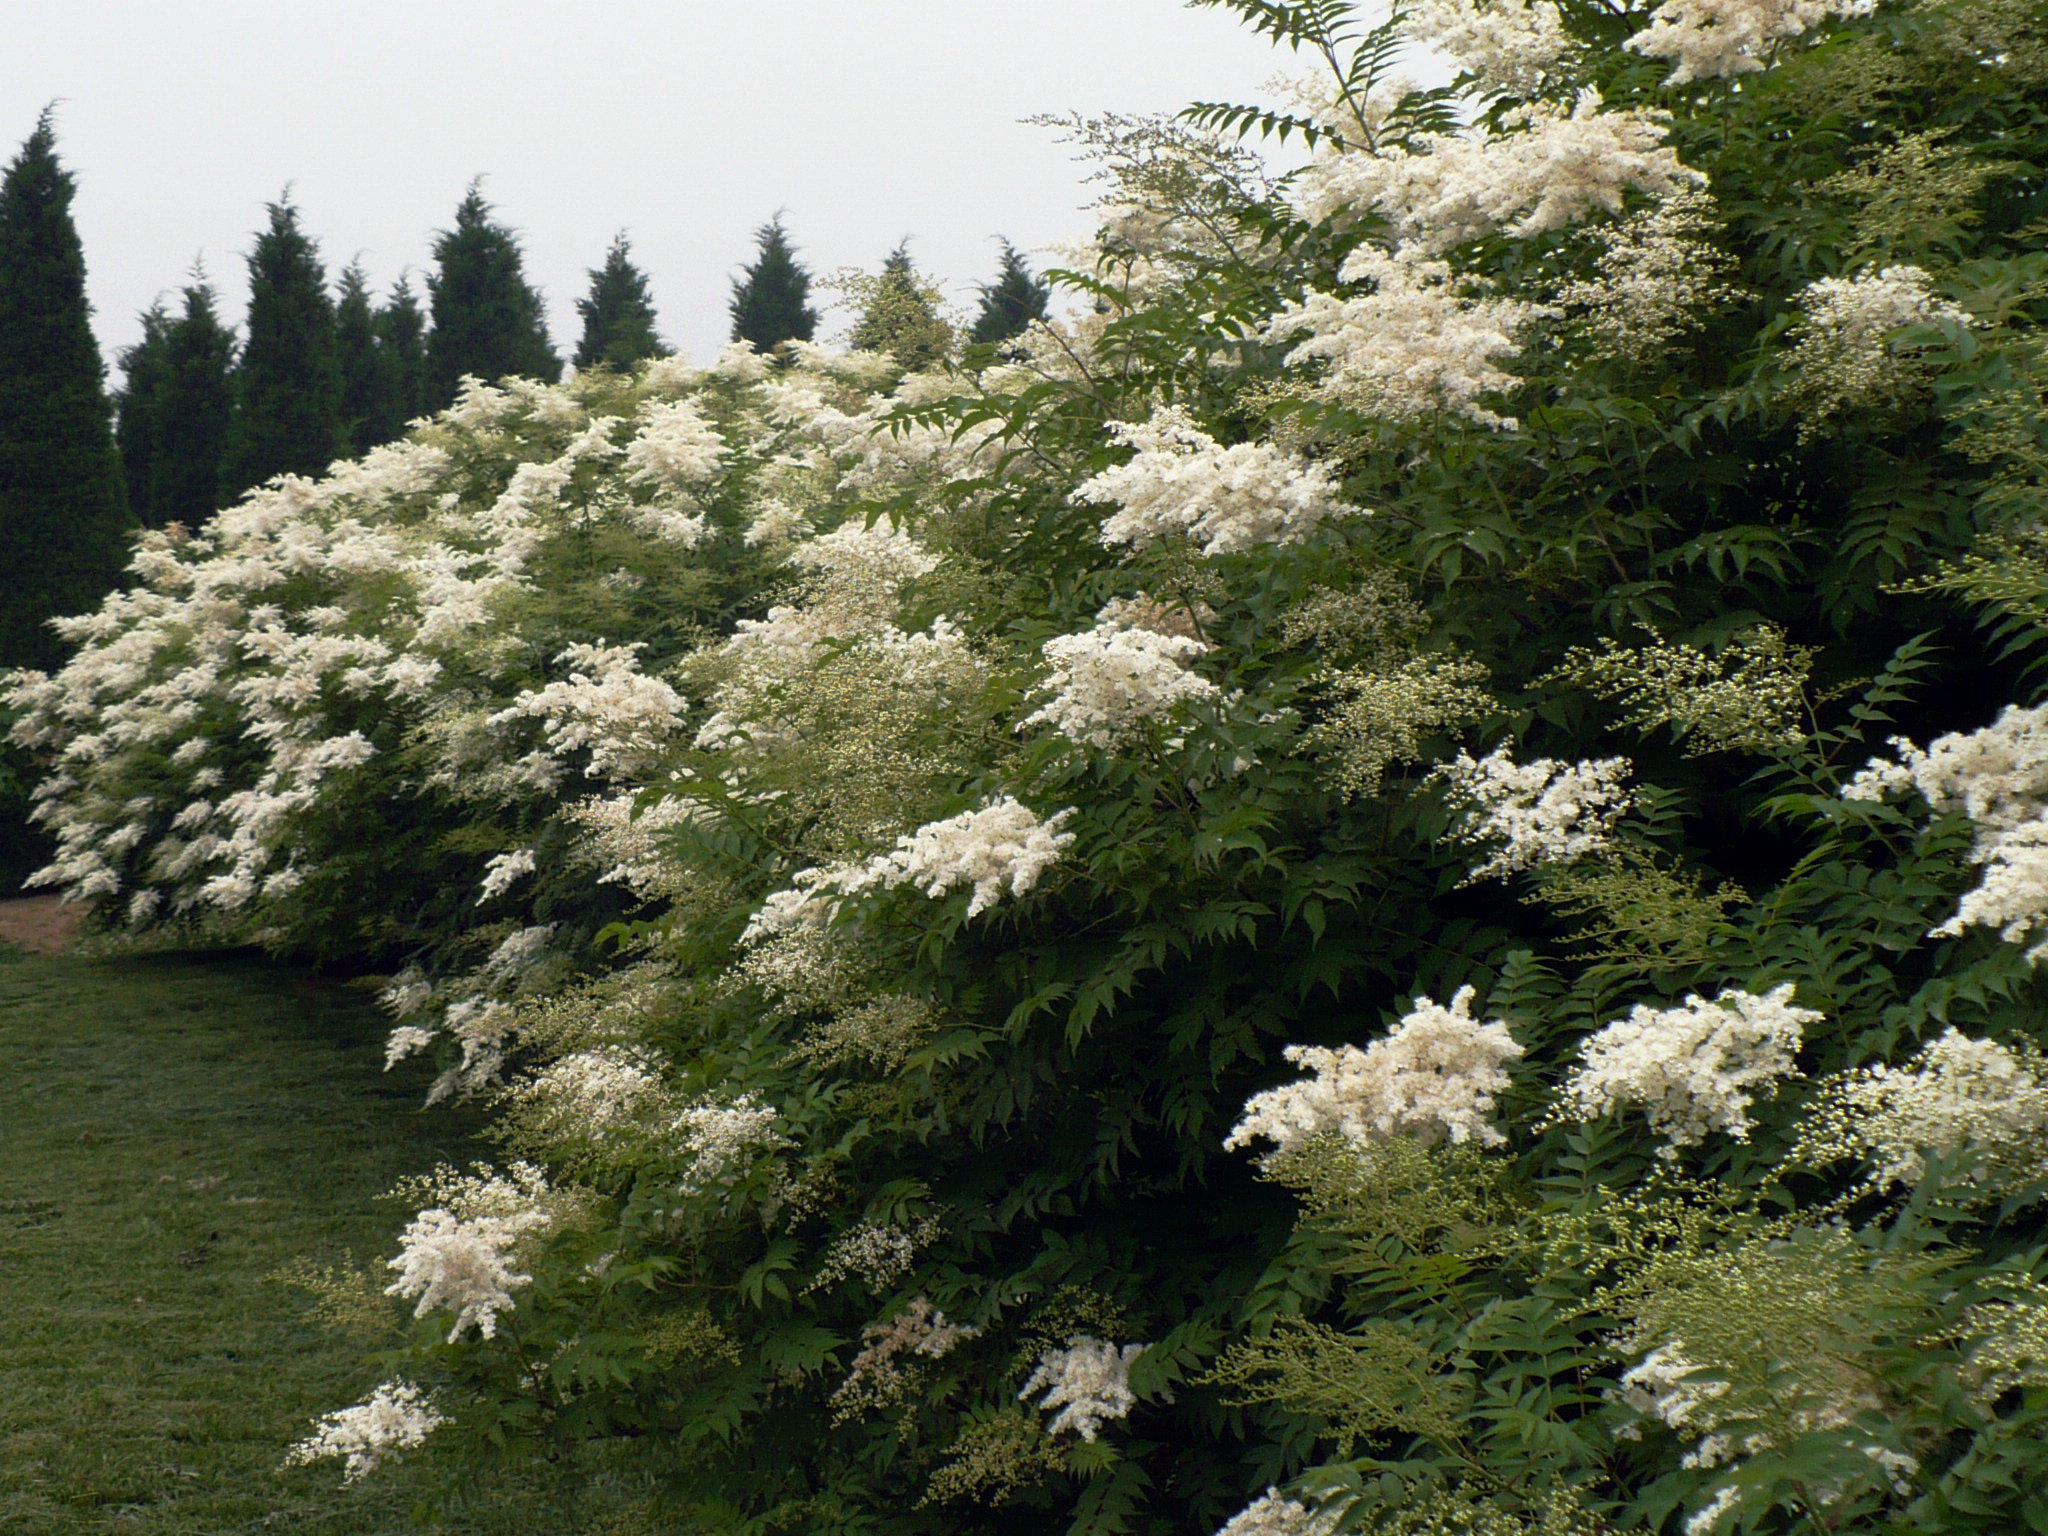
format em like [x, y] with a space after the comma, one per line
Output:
[687, 123]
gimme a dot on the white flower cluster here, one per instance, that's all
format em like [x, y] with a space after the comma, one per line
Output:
[1540, 812]
[1848, 349]
[1547, 168]
[396, 1417]
[891, 1353]
[1695, 1068]
[1505, 45]
[1662, 1386]
[1432, 1077]
[1002, 845]
[1089, 1382]
[1714, 39]
[458, 1256]
[606, 706]
[1421, 343]
[1956, 1097]
[674, 447]
[622, 837]
[879, 1253]
[1998, 778]
[503, 871]
[591, 1093]
[1658, 274]
[1182, 481]
[1107, 680]
[721, 1137]
[1272, 1515]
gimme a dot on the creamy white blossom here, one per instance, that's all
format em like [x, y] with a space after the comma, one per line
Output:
[1847, 349]
[1181, 481]
[675, 446]
[1956, 1097]
[1271, 1514]
[1089, 1382]
[721, 1138]
[1998, 778]
[1423, 341]
[1714, 39]
[1693, 1069]
[1548, 167]
[459, 1257]
[1506, 45]
[397, 1417]
[1433, 1077]
[606, 706]
[503, 871]
[1107, 680]
[1002, 846]
[1536, 813]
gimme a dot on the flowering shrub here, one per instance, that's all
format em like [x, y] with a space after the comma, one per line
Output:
[945, 880]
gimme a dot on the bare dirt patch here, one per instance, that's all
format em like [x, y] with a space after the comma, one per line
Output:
[42, 925]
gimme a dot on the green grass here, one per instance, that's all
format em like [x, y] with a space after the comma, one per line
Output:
[173, 1131]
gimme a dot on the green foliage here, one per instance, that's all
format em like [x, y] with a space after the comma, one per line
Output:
[618, 314]
[402, 353]
[488, 321]
[771, 298]
[898, 313]
[193, 415]
[138, 406]
[63, 517]
[364, 378]
[1010, 303]
[287, 382]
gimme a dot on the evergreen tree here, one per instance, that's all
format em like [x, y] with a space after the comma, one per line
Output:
[287, 416]
[900, 315]
[138, 406]
[618, 317]
[1011, 302]
[771, 298]
[364, 379]
[193, 413]
[63, 517]
[402, 353]
[488, 319]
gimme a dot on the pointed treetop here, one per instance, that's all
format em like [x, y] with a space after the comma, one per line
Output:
[618, 316]
[488, 320]
[771, 298]
[1011, 302]
[899, 313]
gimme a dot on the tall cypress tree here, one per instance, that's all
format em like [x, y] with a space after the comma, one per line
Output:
[618, 317]
[1011, 302]
[192, 413]
[364, 379]
[487, 317]
[138, 407]
[900, 315]
[288, 385]
[64, 518]
[402, 353]
[771, 298]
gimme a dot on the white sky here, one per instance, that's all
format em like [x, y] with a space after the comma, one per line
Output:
[685, 122]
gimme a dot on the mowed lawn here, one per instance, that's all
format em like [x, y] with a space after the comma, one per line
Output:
[175, 1130]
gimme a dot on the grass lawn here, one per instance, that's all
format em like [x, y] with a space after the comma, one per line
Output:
[173, 1130]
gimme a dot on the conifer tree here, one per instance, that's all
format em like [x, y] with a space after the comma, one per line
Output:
[287, 416]
[402, 353]
[363, 376]
[618, 316]
[1011, 302]
[771, 298]
[488, 320]
[138, 406]
[900, 315]
[64, 519]
[192, 414]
